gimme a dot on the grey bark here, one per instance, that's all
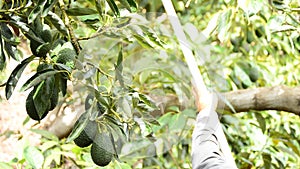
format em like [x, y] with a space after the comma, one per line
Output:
[281, 98]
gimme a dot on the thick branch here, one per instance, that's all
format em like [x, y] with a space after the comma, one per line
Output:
[281, 98]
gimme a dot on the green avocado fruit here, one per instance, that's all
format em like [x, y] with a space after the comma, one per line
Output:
[87, 135]
[66, 56]
[102, 150]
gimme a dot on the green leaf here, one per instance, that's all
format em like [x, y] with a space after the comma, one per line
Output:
[2, 55]
[37, 26]
[63, 67]
[37, 10]
[122, 165]
[294, 147]
[34, 157]
[6, 32]
[242, 75]
[267, 160]
[145, 99]
[113, 7]
[26, 121]
[282, 28]
[77, 129]
[144, 75]
[99, 98]
[119, 68]
[43, 90]
[133, 5]
[154, 39]
[27, 31]
[224, 25]
[125, 106]
[142, 41]
[5, 166]
[100, 5]
[151, 120]
[38, 77]
[61, 83]
[137, 149]
[11, 50]
[115, 125]
[48, 7]
[40, 103]
[177, 122]
[46, 134]
[261, 121]
[80, 11]
[125, 4]
[15, 75]
[279, 162]
[226, 102]
[53, 156]
[57, 23]
[9, 41]
[150, 36]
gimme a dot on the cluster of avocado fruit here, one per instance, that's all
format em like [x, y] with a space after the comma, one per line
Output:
[102, 147]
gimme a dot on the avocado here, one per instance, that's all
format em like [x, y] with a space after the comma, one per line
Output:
[102, 150]
[66, 56]
[87, 135]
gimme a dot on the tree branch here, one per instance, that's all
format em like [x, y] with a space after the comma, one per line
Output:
[281, 98]
[73, 38]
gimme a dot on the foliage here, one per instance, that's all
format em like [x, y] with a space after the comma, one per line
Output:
[121, 58]
[255, 44]
[51, 153]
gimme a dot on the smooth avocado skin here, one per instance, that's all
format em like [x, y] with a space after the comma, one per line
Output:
[87, 135]
[100, 155]
[102, 149]
[83, 140]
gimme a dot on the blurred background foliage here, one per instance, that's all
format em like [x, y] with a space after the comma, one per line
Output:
[239, 44]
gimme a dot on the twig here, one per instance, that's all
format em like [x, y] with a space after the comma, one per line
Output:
[73, 38]
[174, 159]
[295, 9]
[2, 85]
